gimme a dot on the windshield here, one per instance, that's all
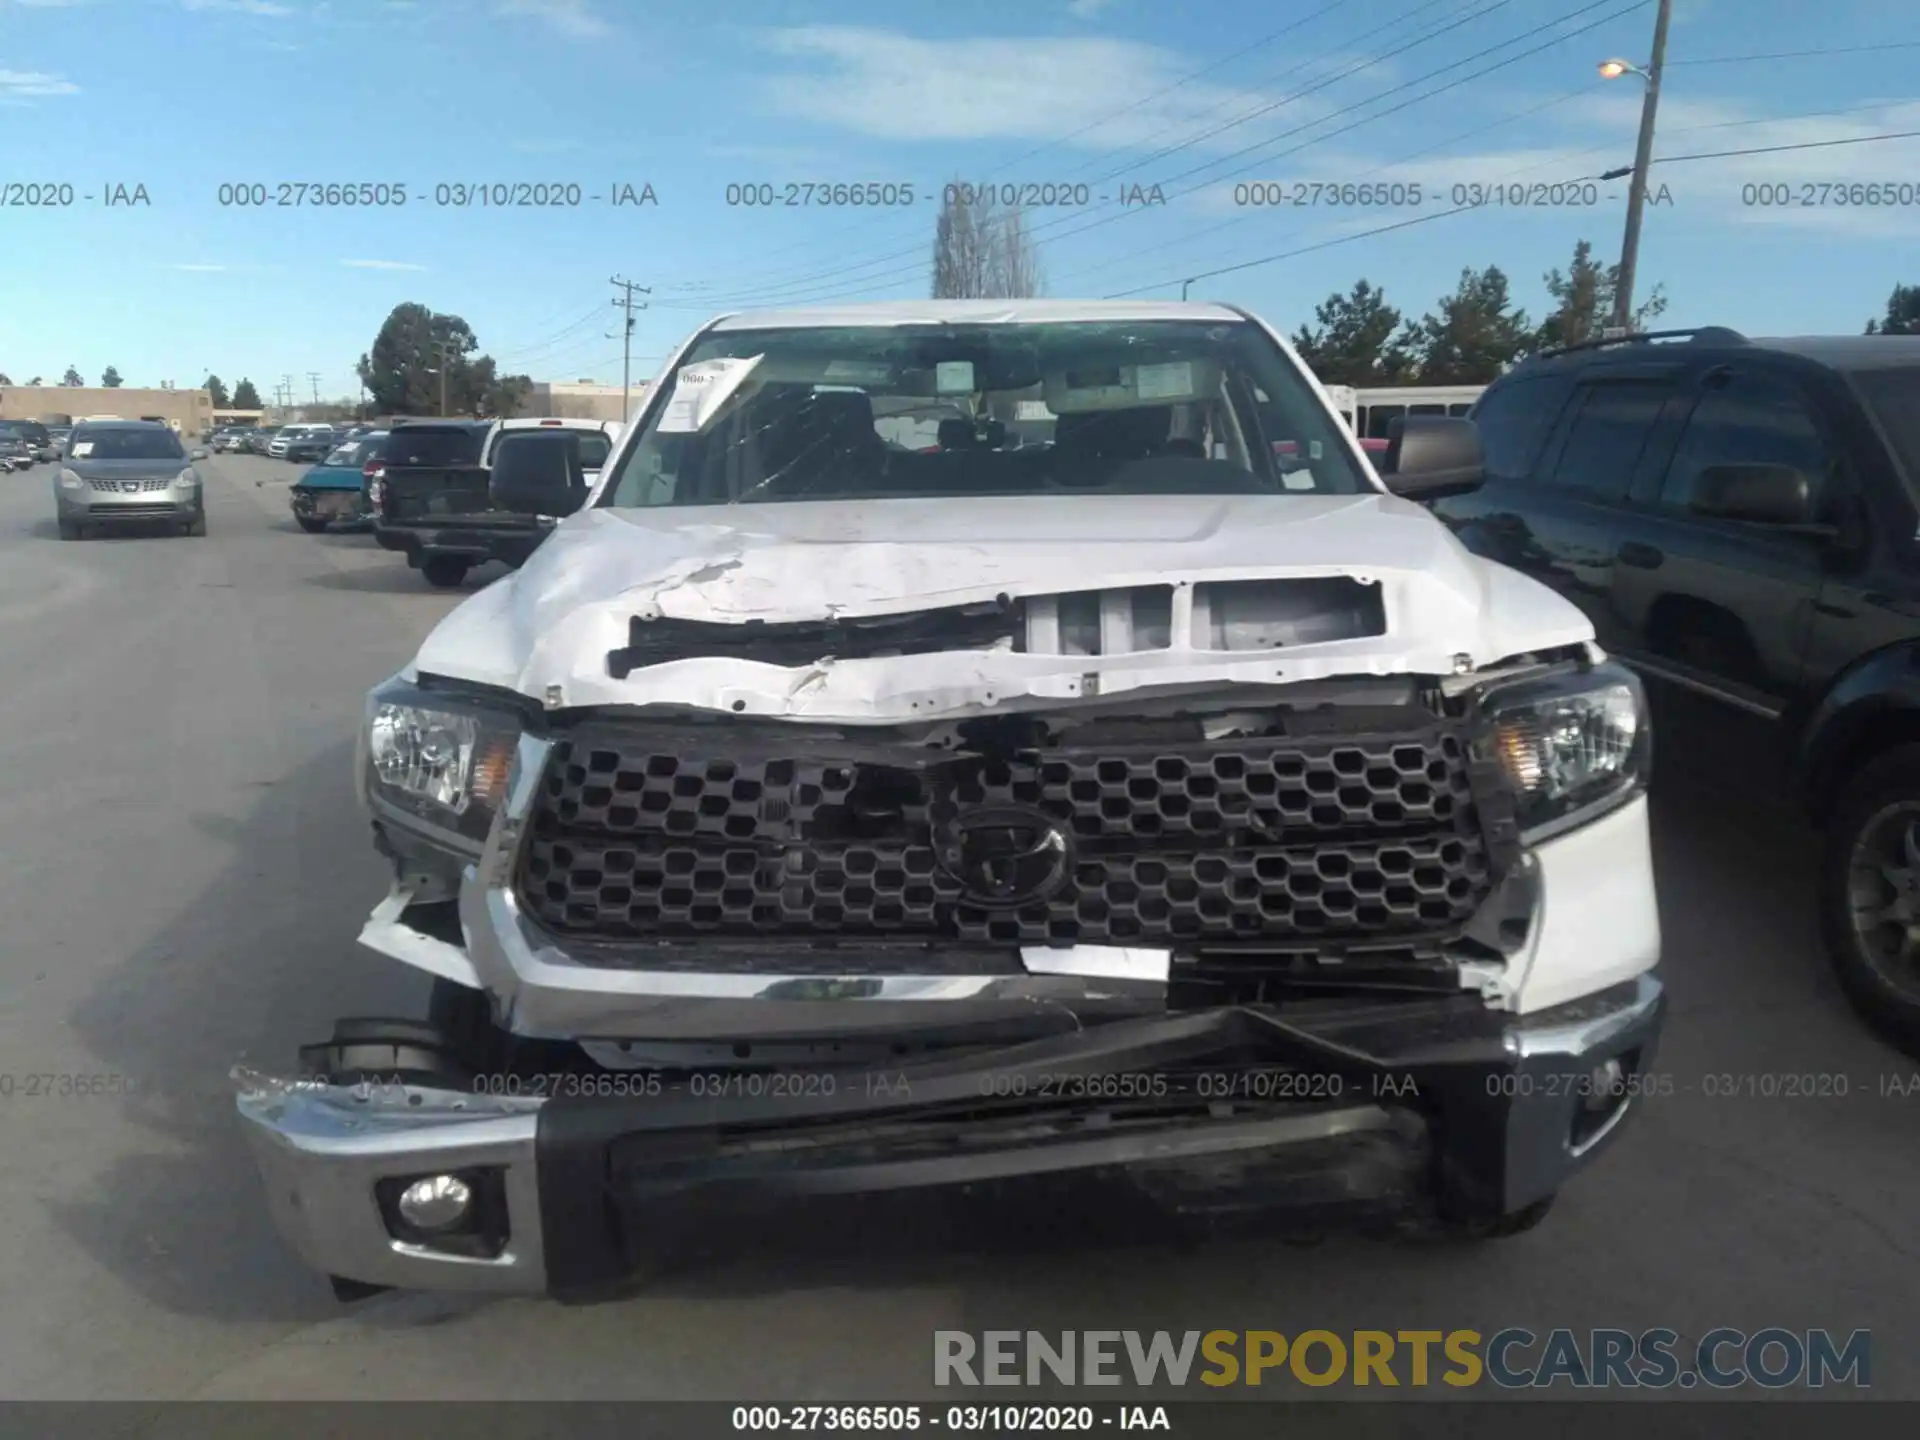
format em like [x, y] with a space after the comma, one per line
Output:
[1077, 407]
[435, 446]
[127, 445]
[354, 452]
[1894, 397]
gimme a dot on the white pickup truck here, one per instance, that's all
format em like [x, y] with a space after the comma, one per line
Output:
[1169, 803]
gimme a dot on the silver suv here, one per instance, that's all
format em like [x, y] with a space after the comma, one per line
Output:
[128, 471]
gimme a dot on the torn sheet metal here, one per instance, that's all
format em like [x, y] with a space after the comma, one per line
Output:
[551, 627]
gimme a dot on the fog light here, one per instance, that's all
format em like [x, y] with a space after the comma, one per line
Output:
[1605, 1084]
[436, 1203]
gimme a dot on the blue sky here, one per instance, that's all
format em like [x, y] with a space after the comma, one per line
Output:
[183, 96]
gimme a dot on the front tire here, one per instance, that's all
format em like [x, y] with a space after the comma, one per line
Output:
[444, 572]
[198, 525]
[70, 530]
[1870, 894]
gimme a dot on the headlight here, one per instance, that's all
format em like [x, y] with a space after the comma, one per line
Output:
[187, 478]
[1571, 746]
[441, 760]
[71, 481]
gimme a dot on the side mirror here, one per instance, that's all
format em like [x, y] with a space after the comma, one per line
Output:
[537, 474]
[196, 454]
[1430, 456]
[1758, 494]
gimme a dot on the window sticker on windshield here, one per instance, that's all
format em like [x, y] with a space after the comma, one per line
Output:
[1158, 382]
[1297, 479]
[953, 377]
[82, 449]
[1315, 450]
[700, 389]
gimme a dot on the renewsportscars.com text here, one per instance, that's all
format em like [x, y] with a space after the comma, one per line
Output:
[1513, 1358]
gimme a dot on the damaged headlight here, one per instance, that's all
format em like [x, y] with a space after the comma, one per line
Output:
[441, 759]
[1572, 746]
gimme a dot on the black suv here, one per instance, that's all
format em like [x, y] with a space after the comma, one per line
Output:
[1741, 521]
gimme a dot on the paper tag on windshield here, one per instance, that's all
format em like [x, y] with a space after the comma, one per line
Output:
[1297, 480]
[1157, 382]
[953, 377]
[83, 449]
[700, 389]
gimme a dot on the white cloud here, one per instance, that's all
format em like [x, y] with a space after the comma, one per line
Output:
[17, 85]
[269, 8]
[1096, 94]
[1086, 9]
[380, 265]
[575, 18]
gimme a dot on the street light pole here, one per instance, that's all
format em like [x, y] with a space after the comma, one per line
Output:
[1642, 161]
[1183, 288]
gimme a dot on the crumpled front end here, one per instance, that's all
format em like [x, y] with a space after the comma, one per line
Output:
[1305, 945]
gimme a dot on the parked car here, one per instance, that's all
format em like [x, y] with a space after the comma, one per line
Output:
[59, 434]
[119, 472]
[231, 439]
[792, 758]
[1737, 518]
[310, 443]
[37, 437]
[277, 443]
[333, 494]
[431, 502]
[15, 453]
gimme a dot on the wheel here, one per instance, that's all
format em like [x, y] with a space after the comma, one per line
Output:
[444, 571]
[1870, 894]
[312, 524]
[198, 525]
[70, 530]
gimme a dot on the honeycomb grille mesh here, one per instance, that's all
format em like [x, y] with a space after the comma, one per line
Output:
[1248, 840]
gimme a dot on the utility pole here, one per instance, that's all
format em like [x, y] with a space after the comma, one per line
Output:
[286, 392]
[313, 379]
[1642, 160]
[443, 351]
[625, 305]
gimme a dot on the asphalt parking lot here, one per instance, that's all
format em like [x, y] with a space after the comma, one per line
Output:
[185, 874]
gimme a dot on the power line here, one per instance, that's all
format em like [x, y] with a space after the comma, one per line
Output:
[1132, 106]
[1477, 131]
[521, 354]
[815, 279]
[1783, 149]
[1462, 209]
[1799, 54]
[1558, 39]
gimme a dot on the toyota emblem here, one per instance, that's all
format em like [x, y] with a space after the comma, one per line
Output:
[1007, 856]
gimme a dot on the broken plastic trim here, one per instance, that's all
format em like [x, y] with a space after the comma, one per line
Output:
[1226, 617]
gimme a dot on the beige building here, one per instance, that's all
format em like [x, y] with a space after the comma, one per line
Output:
[581, 399]
[188, 411]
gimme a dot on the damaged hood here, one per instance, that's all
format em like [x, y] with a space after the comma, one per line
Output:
[547, 629]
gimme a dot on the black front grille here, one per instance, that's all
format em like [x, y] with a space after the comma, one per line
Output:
[646, 833]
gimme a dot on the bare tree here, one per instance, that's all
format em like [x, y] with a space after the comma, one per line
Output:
[981, 252]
